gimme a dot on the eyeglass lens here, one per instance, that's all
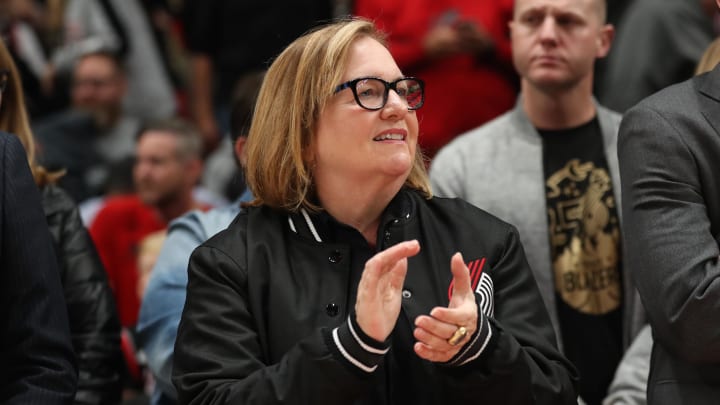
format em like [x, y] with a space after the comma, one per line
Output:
[372, 93]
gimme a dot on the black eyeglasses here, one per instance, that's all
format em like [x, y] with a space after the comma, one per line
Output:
[4, 78]
[371, 93]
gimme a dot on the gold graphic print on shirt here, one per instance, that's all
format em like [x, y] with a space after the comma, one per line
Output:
[585, 237]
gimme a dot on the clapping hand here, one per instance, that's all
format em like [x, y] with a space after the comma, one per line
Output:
[380, 290]
[433, 331]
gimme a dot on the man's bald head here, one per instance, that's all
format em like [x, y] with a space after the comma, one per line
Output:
[599, 7]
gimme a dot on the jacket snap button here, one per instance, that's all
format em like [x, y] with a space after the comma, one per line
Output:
[406, 294]
[335, 256]
[332, 309]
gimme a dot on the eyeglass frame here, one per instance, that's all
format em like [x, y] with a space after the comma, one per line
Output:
[4, 83]
[352, 85]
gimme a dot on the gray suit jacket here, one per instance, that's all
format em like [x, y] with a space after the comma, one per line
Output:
[498, 167]
[669, 153]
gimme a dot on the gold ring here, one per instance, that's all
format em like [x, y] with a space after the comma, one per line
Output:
[458, 336]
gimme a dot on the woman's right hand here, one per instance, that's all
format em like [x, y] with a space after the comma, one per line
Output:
[380, 290]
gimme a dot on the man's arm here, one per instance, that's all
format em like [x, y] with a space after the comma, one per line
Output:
[668, 243]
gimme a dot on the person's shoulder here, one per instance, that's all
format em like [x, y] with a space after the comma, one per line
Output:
[205, 223]
[233, 235]
[5, 137]
[13, 158]
[11, 143]
[66, 123]
[55, 199]
[484, 132]
[672, 99]
[608, 117]
[124, 209]
[473, 141]
[453, 209]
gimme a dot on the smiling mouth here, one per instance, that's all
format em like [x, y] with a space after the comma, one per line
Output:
[390, 137]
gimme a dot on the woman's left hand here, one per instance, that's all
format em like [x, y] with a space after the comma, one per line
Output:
[433, 331]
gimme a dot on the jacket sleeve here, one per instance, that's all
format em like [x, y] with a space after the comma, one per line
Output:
[94, 323]
[37, 363]
[522, 351]
[219, 357]
[629, 386]
[668, 240]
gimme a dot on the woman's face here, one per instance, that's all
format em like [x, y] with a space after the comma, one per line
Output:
[356, 144]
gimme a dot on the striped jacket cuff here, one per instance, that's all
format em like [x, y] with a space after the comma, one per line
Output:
[476, 345]
[352, 346]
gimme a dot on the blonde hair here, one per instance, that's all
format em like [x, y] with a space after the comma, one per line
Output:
[710, 58]
[14, 119]
[296, 88]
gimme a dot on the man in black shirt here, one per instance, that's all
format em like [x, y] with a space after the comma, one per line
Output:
[550, 168]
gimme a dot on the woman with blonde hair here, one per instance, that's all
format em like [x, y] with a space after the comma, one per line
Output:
[345, 281]
[94, 324]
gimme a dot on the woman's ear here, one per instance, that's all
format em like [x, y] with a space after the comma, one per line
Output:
[239, 148]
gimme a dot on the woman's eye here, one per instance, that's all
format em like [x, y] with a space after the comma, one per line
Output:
[367, 92]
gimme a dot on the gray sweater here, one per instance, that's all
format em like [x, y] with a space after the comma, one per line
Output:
[498, 167]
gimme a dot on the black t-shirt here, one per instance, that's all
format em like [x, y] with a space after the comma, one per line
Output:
[585, 245]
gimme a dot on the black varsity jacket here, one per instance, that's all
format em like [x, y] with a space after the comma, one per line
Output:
[269, 314]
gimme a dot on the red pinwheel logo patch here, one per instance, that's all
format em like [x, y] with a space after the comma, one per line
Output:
[482, 284]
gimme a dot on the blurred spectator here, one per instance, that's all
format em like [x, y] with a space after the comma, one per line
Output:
[229, 39]
[167, 167]
[26, 26]
[165, 17]
[163, 302]
[659, 42]
[95, 133]
[94, 324]
[120, 26]
[461, 49]
[222, 175]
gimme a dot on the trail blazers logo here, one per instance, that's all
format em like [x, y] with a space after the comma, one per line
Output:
[482, 284]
